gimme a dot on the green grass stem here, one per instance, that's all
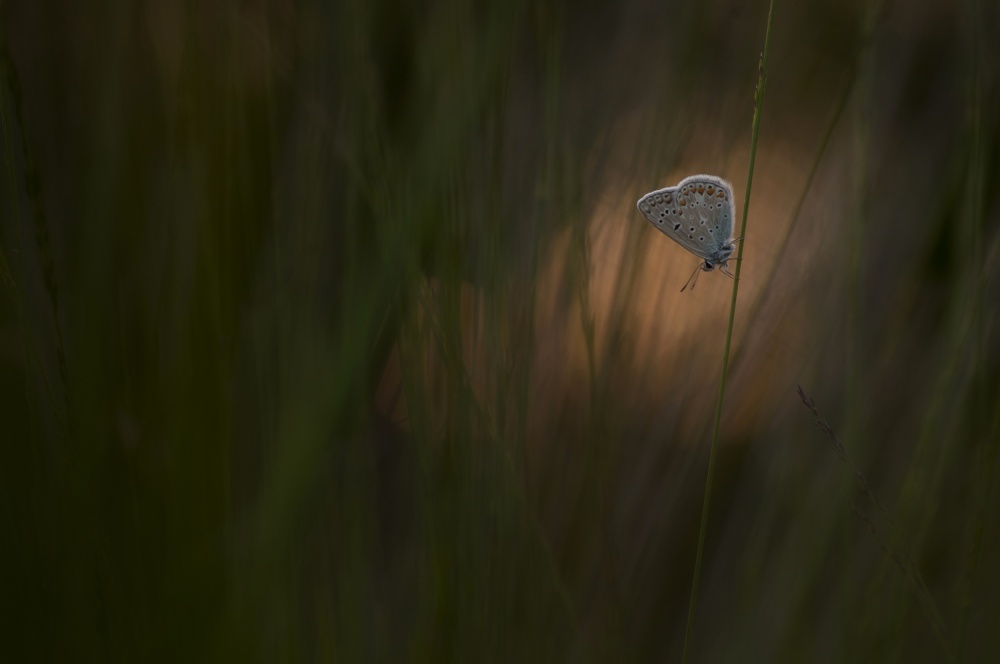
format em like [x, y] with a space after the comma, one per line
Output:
[758, 104]
[821, 152]
[982, 473]
[32, 180]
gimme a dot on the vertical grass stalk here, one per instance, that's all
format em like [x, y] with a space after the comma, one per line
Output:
[985, 449]
[32, 184]
[758, 103]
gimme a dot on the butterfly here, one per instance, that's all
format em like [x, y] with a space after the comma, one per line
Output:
[698, 215]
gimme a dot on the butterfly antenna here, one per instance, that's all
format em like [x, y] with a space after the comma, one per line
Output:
[693, 279]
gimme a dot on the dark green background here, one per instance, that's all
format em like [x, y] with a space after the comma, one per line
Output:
[330, 332]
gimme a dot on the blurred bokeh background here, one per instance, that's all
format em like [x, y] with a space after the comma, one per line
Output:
[330, 332]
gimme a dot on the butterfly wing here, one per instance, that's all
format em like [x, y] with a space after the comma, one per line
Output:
[662, 208]
[697, 214]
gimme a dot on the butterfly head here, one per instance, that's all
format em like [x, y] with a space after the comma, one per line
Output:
[719, 257]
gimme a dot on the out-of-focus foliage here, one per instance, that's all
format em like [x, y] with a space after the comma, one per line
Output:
[330, 332]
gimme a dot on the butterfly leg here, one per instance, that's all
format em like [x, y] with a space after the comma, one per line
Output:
[725, 270]
[693, 279]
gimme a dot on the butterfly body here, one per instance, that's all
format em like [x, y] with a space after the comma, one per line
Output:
[696, 214]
